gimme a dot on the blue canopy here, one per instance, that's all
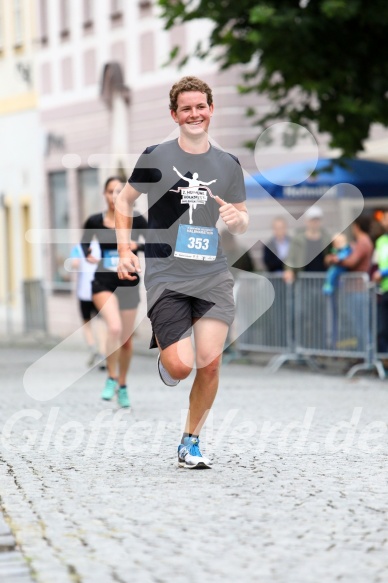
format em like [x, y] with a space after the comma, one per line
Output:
[371, 178]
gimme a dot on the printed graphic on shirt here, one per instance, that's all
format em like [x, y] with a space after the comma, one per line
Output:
[196, 192]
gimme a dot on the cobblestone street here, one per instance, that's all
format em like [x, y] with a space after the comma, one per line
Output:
[92, 493]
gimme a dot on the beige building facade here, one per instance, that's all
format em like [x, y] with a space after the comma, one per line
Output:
[21, 171]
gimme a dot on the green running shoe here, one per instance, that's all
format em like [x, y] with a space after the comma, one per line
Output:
[123, 398]
[109, 389]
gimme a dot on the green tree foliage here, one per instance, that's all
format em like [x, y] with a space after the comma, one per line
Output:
[323, 63]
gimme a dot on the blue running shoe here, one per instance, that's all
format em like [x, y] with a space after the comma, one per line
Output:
[190, 457]
[109, 389]
[123, 398]
[164, 375]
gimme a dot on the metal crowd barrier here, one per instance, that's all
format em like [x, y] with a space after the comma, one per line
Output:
[272, 332]
[304, 322]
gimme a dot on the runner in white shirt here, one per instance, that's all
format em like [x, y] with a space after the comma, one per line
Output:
[94, 332]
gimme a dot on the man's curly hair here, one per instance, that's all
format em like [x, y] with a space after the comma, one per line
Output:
[189, 84]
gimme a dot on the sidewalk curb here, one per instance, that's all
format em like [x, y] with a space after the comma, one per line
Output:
[29, 341]
[48, 342]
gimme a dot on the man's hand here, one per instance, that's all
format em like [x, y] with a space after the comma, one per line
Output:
[235, 220]
[128, 266]
[331, 259]
[288, 276]
[92, 259]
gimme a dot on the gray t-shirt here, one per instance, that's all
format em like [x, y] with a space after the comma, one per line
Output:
[179, 187]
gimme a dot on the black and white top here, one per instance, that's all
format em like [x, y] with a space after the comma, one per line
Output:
[107, 267]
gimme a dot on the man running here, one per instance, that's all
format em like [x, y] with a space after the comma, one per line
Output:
[189, 287]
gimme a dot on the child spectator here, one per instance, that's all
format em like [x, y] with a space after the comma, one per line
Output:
[342, 250]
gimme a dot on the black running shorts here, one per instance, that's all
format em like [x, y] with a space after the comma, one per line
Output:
[88, 310]
[173, 306]
[127, 294]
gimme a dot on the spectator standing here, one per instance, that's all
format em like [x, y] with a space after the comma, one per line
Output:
[308, 247]
[359, 261]
[95, 339]
[277, 248]
[381, 277]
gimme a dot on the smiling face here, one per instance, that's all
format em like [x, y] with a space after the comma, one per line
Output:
[193, 113]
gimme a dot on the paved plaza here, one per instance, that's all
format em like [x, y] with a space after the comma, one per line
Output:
[92, 494]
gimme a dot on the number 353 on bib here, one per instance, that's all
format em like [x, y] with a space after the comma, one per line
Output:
[198, 243]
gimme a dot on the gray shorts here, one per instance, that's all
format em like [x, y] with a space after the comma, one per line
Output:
[173, 306]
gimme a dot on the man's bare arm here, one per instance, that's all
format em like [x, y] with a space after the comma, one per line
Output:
[128, 261]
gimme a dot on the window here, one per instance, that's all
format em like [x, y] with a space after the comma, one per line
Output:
[178, 41]
[18, 23]
[145, 8]
[116, 11]
[90, 69]
[90, 197]
[9, 260]
[59, 219]
[65, 19]
[147, 55]
[88, 13]
[117, 53]
[45, 79]
[116, 6]
[43, 21]
[27, 247]
[67, 74]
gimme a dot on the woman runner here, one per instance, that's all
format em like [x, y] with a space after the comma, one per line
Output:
[116, 300]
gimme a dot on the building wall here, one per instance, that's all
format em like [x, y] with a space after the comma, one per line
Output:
[21, 184]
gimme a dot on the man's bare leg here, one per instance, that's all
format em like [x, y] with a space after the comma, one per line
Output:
[178, 358]
[210, 336]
